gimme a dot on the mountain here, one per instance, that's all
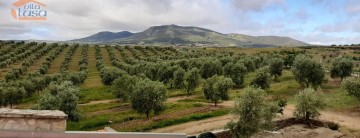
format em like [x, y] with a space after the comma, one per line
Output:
[173, 34]
[185, 35]
[269, 40]
[104, 37]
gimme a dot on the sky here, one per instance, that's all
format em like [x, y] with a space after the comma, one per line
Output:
[313, 21]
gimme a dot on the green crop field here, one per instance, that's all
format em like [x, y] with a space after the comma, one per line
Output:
[32, 67]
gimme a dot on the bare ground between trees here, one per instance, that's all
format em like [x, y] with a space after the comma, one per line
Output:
[169, 100]
[210, 124]
[345, 119]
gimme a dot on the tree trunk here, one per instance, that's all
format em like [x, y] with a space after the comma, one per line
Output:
[307, 116]
[215, 103]
[188, 91]
[147, 115]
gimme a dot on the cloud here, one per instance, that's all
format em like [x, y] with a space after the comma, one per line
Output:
[83, 17]
[254, 5]
[352, 7]
[334, 28]
[80, 18]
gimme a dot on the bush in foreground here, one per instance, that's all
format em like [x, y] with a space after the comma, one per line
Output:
[63, 97]
[148, 96]
[255, 113]
[352, 86]
[308, 104]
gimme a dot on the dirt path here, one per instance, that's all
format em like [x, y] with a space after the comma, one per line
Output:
[175, 99]
[210, 124]
[340, 118]
[100, 102]
[196, 127]
[169, 100]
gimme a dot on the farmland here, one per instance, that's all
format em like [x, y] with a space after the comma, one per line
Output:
[31, 68]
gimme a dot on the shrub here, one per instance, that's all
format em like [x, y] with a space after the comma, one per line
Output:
[216, 88]
[341, 68]
[192, 80]
[262, 79]
[63, 97]
[307, 72]
[148, 96]
[352, 86]
[254, 113]
[308, 104]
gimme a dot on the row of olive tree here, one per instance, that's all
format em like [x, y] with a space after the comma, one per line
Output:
[21, 53]
[17, 72]
[52, 55]
[68, 57]
[83, 63]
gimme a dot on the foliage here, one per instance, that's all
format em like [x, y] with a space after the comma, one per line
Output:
[148, 96]
[249, 64]
[109, 74]
[352, 86]
[341, 68]
[236, 72]
[262, 78]
[307, 72]
[192, 80]
[308, 104]
[124, 86]
[179, 77]
[255, 113]
[11, 95]
[63, 97]
[216, 88]
[276, 66]
[211, 68]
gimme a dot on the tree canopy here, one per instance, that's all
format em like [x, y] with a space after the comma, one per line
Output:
[308, 72]
[216, 88]
[341, 68]
[148, 96]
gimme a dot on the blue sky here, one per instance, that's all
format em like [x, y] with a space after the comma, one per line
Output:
[312, 21]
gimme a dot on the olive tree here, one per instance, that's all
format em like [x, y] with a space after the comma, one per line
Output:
[308, 72]
[192, 80]
[262, 78]
[308, 104]
[148, 96]
[216, 88]
[249, 64]
[13, 94]
[109, 74]
[211, 68]
[341, 68]
[254, 113]
[276, 67]
[61, 96]
[236, 72]
[352, 86]
[124, 86]
[179, 77]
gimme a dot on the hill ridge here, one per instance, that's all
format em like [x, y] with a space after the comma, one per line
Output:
[188, 35]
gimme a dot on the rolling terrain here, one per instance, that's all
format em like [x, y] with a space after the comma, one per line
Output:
[186, 35]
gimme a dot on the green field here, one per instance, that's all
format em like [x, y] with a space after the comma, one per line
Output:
[99, 107]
